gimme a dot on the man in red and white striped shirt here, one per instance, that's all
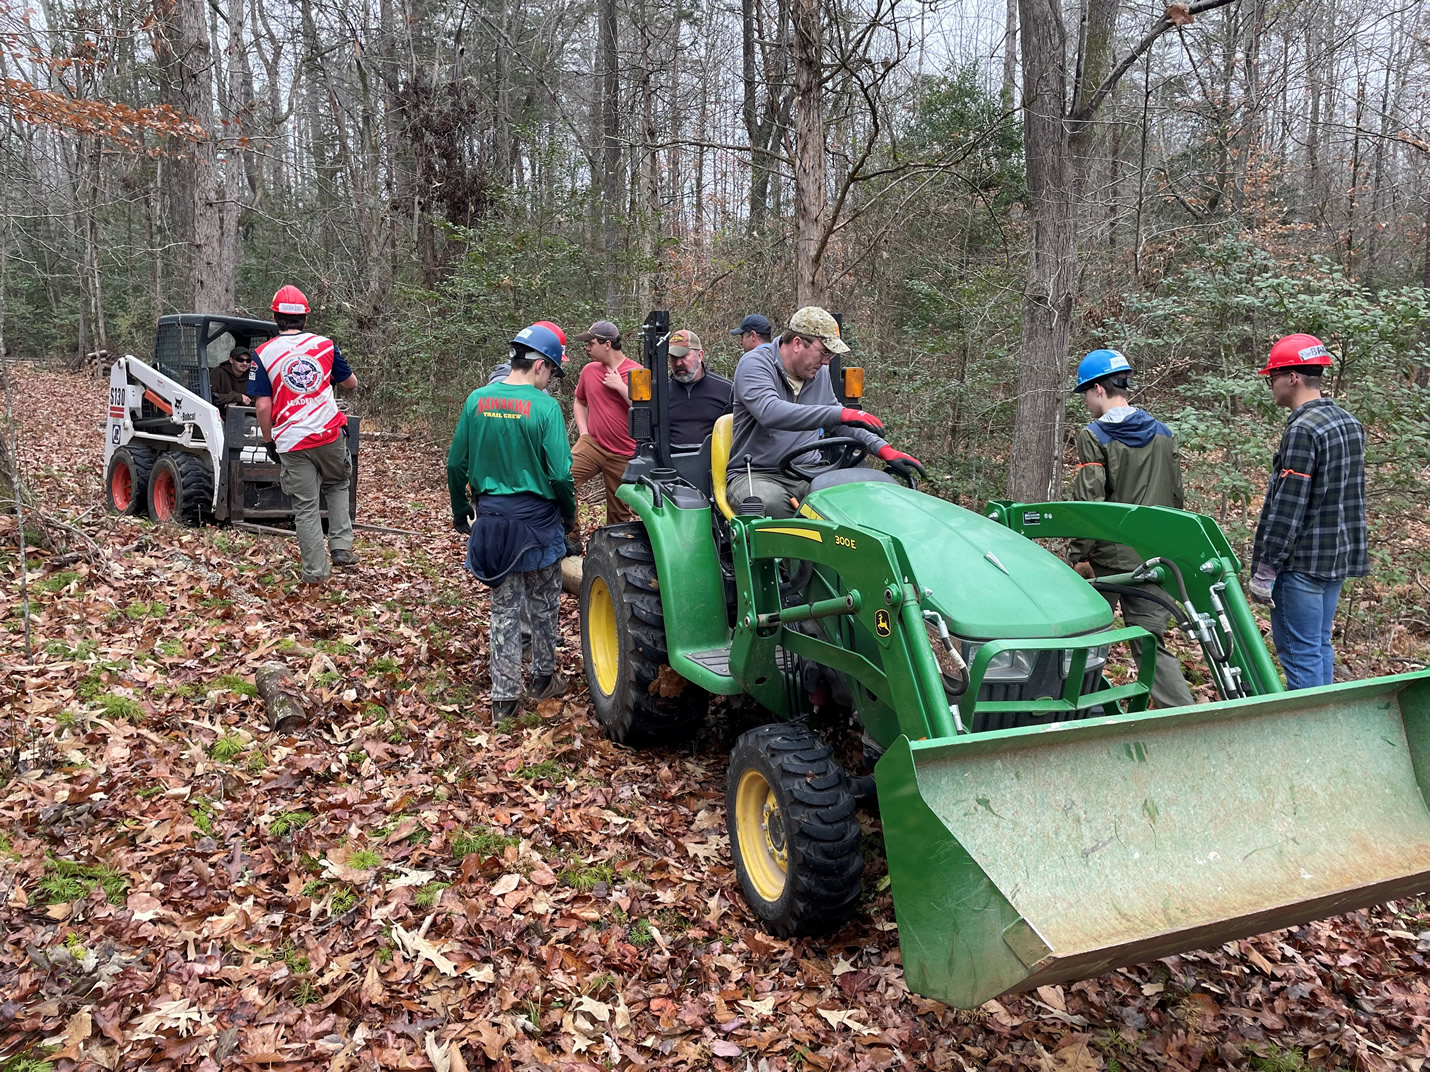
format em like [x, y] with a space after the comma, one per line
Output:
[291, 384]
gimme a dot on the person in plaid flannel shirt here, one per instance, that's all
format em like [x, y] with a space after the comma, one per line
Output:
[1312, 533]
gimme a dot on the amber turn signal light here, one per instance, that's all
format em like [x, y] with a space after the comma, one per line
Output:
[640, 385]
[853, 383]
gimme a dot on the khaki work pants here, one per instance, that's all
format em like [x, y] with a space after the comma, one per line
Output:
[306, 475]
[589, 458]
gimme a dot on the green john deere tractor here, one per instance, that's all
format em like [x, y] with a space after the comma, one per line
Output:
[1041, 825]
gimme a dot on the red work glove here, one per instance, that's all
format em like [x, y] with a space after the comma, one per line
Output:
[859, 419]
[899, 462]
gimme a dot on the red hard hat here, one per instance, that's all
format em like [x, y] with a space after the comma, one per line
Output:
[556, 328]
[291, 300]
[1296, 351]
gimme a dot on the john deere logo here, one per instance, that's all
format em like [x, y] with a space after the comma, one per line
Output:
[881, 623]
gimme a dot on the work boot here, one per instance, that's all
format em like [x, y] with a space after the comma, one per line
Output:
[504, 709]
[547, 686]
[344, 558]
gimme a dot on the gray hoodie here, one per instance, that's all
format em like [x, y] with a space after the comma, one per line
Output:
[770, 419]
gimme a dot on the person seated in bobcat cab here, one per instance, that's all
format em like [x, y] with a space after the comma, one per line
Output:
[784, 399]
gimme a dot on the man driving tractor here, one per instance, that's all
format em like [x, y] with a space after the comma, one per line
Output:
[784, 399]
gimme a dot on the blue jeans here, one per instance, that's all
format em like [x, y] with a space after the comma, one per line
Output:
[1301, 627]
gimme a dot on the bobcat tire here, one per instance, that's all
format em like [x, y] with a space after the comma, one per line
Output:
[794, 834]
[126, 483]
[180, 489]
[638, 699]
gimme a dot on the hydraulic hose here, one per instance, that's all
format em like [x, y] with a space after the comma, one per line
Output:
[1183, 620]
[1176, 572]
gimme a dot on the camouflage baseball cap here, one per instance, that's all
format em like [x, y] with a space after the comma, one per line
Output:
[818, 324]
[683, 341]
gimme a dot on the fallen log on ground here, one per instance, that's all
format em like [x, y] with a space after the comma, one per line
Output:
[282, 696]
[571, 575]
[267, 530]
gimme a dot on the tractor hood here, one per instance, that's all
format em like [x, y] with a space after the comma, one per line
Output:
[991, 582]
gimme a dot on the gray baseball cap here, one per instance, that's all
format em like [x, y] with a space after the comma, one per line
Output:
[601, 329]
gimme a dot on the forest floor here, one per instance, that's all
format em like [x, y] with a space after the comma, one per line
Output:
[404, 885]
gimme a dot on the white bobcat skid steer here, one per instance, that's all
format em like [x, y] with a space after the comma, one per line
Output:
[168, 450]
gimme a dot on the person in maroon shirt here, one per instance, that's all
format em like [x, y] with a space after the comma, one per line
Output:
[603, 397]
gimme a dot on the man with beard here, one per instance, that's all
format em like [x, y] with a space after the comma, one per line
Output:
[698, 397]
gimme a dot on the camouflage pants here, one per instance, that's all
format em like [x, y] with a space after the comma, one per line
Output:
[537, 593]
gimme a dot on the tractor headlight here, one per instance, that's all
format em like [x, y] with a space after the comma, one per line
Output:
[1095, 658]
[1007, 667]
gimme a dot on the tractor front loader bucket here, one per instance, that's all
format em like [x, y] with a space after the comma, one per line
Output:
[1047, 854]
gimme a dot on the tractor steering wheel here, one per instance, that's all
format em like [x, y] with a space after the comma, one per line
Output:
[843, 452]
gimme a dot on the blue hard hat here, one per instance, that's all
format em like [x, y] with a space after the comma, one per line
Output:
[543, 342]
[1098, 364]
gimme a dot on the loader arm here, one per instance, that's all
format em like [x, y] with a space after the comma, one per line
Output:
[1192, 542]
[131, 381]
[879, 591]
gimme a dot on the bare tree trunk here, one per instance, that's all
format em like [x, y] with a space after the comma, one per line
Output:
[610, 141]
[1010, 52]
[809, 164]
[1033, 461]
[648, 167]
[212, 283]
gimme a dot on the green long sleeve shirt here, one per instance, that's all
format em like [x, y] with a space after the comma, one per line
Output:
[511, 438]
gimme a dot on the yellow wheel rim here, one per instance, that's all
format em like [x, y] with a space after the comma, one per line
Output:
[603, 635]
[764, 844]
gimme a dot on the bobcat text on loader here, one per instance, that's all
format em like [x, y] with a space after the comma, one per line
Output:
[168, 451]
[1041, 825]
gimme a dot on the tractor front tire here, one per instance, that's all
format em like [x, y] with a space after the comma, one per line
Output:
[180, 488]
[637, 697]
[126, 484]
[790, 811]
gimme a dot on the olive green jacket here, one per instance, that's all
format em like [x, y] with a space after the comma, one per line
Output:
[1125, 456]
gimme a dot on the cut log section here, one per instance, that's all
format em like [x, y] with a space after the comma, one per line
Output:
[571, 576]
[282, 696]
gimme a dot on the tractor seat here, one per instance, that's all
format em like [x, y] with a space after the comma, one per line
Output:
[721, 439]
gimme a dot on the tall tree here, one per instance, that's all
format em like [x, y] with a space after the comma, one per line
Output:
[610, 97]
[809, 159]
[1033, 460]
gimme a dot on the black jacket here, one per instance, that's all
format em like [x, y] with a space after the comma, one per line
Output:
[695, 407]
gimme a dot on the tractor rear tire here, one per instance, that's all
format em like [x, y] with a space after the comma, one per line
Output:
[126, 484]
[790, 812]
[181, 489]
[637, 697]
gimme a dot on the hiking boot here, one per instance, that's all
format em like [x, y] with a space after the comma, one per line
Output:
[547, 686]
[504, 709]
[344, 558]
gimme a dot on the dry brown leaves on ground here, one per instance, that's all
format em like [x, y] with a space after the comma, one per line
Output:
[404, 885]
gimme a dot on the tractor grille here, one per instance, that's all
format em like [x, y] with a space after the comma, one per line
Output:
[1046, 681]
